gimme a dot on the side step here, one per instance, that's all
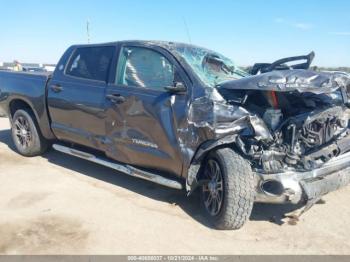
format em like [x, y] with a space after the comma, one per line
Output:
[129, 170]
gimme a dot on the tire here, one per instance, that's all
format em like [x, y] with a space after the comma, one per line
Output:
[237, 189]
[26, 135]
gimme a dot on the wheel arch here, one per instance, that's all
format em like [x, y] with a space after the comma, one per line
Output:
[41, 118]
[202, 152]
[20, 103]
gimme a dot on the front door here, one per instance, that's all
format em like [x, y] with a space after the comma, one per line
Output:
[142, 121]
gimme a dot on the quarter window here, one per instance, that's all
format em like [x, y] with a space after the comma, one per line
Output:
[91, 63]
[144, 68]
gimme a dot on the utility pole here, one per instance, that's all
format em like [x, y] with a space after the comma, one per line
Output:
[187, 30]
[88, 31]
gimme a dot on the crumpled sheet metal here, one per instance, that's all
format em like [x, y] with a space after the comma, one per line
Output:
[333, 111]
[221, 118]
[291, 80]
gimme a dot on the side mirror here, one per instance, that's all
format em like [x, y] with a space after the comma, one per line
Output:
[178, 87]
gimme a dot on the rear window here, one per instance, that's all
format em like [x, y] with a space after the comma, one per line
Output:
[91, 63]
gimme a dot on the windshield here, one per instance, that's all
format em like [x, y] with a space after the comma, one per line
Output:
[211, 67]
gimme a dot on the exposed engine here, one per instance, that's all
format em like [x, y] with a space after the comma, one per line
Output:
[305, 127]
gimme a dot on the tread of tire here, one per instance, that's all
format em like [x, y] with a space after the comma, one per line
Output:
[43, 143]
[239, 190]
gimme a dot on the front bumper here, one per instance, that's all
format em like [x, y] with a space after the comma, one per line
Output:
[297, 187]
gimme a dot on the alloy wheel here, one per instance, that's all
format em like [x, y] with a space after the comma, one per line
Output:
[22, 132]
[213, 191]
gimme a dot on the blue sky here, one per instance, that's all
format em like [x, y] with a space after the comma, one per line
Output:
[246, 31]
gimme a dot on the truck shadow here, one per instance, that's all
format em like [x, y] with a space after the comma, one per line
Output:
[190, 205]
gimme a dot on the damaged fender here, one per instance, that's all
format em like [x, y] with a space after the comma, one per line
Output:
[234, 123]
[223, 123]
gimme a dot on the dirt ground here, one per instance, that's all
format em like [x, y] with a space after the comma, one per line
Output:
[58, 204]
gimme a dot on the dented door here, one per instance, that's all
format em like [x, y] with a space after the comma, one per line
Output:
[141, 125]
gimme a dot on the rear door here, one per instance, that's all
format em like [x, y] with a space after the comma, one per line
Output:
[142, 117]
[76, 96]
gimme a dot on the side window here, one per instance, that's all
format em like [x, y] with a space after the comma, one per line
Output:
[144, 68]
[91, 63]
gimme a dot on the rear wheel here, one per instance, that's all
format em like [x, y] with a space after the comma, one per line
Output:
[26, 134]
[227, 196]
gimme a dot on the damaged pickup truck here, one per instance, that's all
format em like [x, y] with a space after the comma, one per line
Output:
[187, 118]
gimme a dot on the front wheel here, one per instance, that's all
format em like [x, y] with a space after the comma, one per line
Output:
[26, 134]
[227, 196]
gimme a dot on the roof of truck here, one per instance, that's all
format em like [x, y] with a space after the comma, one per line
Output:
[165, 44]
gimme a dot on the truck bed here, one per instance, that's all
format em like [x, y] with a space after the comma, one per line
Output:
[28, 87]
[15, 74]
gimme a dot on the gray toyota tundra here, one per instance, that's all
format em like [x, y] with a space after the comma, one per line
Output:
[187, 118]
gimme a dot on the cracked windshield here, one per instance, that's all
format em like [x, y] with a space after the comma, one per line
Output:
[211, 67]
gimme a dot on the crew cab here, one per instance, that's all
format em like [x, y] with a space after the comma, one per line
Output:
[187, 118]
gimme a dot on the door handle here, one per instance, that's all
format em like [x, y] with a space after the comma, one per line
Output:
[116, 98]
[56, 88]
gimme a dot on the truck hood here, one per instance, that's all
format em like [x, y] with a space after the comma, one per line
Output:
[291, 80]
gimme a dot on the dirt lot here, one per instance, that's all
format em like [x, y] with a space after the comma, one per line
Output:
[57, 204]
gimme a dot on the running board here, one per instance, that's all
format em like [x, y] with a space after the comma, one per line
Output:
[126, 169]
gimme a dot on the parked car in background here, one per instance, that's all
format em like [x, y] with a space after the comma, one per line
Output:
[34, 69]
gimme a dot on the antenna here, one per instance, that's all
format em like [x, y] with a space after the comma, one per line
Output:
[88, 30]
[187, 30]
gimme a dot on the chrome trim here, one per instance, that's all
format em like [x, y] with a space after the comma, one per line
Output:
[126, 169]
[291, 180]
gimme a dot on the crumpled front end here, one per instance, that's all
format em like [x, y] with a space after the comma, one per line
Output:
[296, 187]
[292, 125]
